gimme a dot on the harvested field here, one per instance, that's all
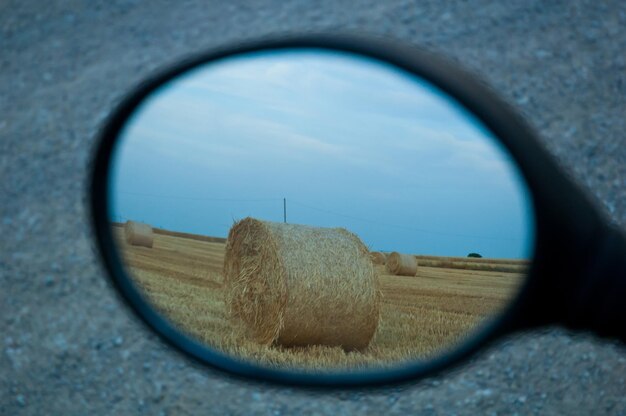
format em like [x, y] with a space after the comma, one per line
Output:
[481, 260]
[419, 315]
[464, 265]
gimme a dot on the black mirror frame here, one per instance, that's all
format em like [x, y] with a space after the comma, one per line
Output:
[568, 226]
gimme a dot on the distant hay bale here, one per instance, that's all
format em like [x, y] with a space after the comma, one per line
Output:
[138, 234]
[401, 264]
[296, 285]
[378, 257]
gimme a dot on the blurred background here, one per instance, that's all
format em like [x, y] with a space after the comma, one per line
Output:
[67, 343]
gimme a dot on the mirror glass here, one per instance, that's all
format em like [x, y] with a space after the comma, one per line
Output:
[311, 209]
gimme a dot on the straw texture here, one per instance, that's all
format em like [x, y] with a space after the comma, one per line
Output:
[487, 267]
[297, 285]
[138, 234]
[401, 264]
[378, 257]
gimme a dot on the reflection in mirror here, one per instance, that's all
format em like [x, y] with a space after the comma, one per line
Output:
[308, 209]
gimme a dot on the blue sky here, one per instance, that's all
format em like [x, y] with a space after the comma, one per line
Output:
[348, 141]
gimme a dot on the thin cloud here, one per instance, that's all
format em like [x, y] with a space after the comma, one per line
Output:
[316, 128]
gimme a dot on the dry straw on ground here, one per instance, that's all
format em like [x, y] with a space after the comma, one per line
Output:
[401, 264]
[464, 265]
[378, 257]
[182, 277]
[138, 234]
[296, 285]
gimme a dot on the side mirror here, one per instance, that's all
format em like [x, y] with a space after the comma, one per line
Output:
[341, 211]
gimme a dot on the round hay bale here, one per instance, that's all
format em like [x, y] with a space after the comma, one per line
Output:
[378, 257]
[401, 264]
[296, 285]
[138, 234]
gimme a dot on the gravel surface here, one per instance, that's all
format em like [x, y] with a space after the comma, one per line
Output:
[68, 346]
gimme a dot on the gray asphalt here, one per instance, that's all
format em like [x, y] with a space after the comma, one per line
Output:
[68, 346]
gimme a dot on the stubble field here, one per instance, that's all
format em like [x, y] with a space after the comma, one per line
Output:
[420, 315]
